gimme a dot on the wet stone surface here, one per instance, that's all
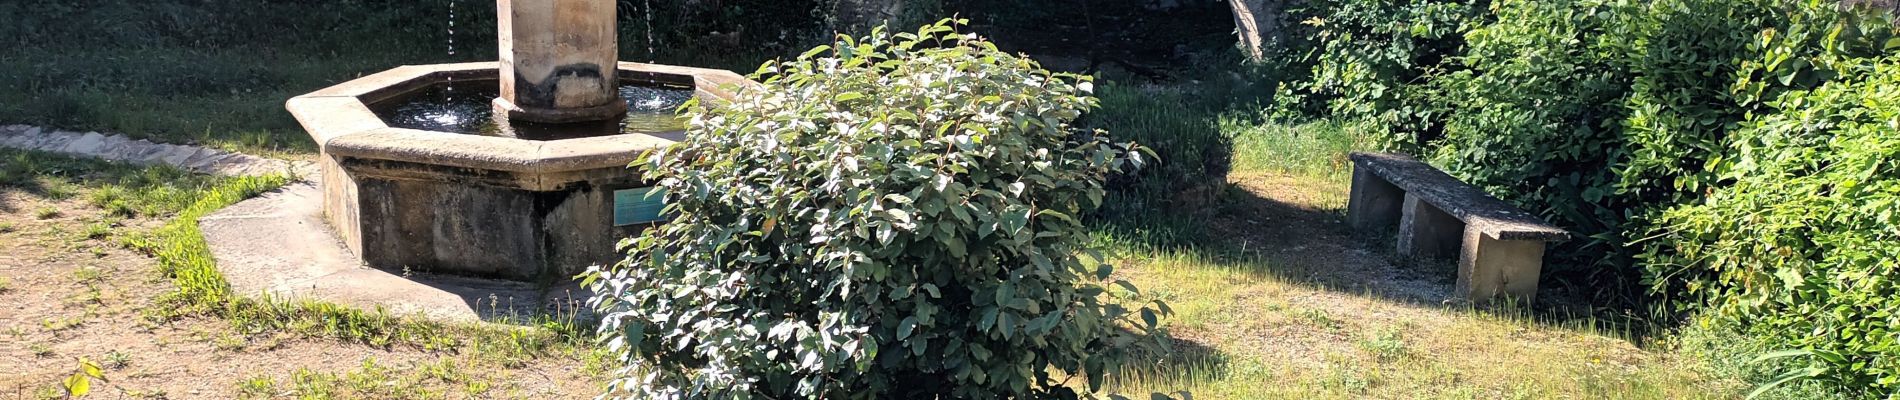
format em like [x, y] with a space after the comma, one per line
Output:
[466, 108]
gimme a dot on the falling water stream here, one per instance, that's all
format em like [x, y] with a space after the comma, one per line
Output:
[449, 94]
[648, 9]
[463, 107]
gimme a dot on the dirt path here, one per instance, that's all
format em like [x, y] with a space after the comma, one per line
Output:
[68, 296]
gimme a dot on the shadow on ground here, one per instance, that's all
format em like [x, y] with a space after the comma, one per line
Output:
[1293, 229]
[1185, 361]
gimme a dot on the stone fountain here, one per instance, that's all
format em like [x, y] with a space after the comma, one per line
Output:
[514, 169]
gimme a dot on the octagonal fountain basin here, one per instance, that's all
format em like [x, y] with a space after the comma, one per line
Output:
[418, 174]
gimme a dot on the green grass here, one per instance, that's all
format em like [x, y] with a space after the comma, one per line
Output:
[1315, 150]
[440, 379]
[218, 73]
[257, 387]
[1730, 353]
[1250, 327]
[201, 291]
[1254, 334]
[120, 189]
[179, 246]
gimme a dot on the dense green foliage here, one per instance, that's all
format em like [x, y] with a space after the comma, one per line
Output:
[1535, 121]
[1801, 247]
[1662, 131]
[892, 217]
[1192, 154]
[1374, 56]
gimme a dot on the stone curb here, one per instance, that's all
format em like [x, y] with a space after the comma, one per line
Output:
[117, 147]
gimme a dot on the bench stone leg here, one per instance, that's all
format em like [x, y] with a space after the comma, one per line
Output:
[1425, 231]
[1373, 203]
[1492, 268]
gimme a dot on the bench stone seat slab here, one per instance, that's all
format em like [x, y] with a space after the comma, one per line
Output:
[1500, 248]
[1479, 210]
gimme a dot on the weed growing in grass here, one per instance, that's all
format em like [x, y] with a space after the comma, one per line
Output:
[46, 212]
[121, 190]
[106, 195]
[117, 359]
[477, 388]
[370, 379]
[87, 275]
[1349, 378]
[313, 385]
[100, 229]
[444, 370]
[147, 394]
[40, 350]
[57, 189]
[1316, 150]
[61, 324]
[8, 227]
[6, 285]
[255, 387]
[49, 392]
[90, 296]
[118, 208]
[1388, 344]
[1320, 318]
[229, 342]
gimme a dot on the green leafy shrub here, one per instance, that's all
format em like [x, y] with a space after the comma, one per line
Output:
[890, 218]
[1536, 123]
[1718, 152]
[1683, 141]
[1801, 248]
[1376, 56]
[1684, 56]
[1600, 114]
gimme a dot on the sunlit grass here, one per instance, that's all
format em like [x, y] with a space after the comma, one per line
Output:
[1314, 150]
[1269, 337]
[1248, 328]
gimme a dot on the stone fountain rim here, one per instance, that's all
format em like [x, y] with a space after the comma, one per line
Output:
[339, 119]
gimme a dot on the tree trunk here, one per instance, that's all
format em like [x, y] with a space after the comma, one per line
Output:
[1257, 23]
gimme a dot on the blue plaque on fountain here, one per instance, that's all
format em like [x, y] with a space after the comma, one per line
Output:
[638, 205]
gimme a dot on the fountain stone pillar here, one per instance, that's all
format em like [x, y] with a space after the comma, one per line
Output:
[558, 61]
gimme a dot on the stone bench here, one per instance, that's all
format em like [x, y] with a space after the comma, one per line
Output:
[1500, 248]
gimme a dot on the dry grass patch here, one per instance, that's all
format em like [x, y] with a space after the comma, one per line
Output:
[1287, 304]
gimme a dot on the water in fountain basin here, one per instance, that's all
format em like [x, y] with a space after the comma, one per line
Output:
[650, 110]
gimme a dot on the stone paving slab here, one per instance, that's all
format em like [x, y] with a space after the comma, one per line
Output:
[277, 245]
[116, 147]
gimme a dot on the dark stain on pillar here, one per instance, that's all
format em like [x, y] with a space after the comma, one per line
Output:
[541, 93]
